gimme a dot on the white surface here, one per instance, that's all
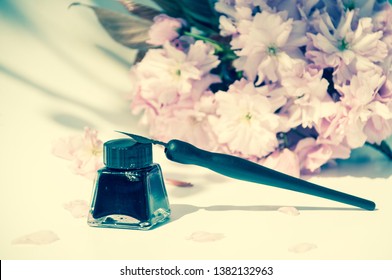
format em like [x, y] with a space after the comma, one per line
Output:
[59, 72]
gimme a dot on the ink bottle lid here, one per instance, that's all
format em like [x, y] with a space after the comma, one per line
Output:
[126, 154]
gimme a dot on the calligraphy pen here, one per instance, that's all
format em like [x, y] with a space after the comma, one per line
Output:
[242, 169]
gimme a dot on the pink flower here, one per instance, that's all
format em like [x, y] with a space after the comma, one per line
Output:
[169, 79]
[245, 120]
[364, 109]
[164, 29]
[268, 46]
[188, 124]
[284, 161]
[291, 70]
[362, 89]
[85, 152]
[308, 98]
[344, 45]
[359, 115]
[234, 11]
[312, 153]
[344, 126]
[379, 125]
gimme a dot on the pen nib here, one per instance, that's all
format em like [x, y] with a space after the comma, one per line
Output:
[142, 139]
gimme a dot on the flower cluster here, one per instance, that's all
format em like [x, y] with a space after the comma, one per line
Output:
[289, 84]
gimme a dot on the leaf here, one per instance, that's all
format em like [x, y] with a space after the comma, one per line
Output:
[383, 148]
[170, 7]
[127, 30]
[140, 55]
[140, 10]
[200, 13]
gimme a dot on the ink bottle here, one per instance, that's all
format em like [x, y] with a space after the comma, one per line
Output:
[129, 191]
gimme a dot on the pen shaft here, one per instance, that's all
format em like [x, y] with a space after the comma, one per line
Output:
[242, 169]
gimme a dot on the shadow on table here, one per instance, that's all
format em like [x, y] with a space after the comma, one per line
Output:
[181, 210]
[17, 14]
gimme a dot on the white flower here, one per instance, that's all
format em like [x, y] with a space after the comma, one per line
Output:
[268, 45]
[245, 119]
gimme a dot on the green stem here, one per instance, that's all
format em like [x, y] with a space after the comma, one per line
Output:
[383, 148]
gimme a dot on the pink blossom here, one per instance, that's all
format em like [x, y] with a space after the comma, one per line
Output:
[344, 126]
[188, 124]
[312, 153]
[365, 110]
[284, 161]
[334, 127]
[359, 115]
[268, 46]
[379, 125]
[169, 79]
[245, 119]
[284, 86]
[41, 237]
[342, 45]
[84, 151]
[167, 74]
[234, 11]
[308, 98]
[164, 29]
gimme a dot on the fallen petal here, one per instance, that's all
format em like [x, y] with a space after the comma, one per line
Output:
[77, 208]
[178, 183]
[302, 247]
[289, 210]
[41, 237]
[203, 236]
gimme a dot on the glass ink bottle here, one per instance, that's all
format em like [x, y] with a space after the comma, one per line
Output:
[129, 191]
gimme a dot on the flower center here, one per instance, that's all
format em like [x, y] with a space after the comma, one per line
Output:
[176, 73]
[248, 116]
[343, 45]
[272, 50]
